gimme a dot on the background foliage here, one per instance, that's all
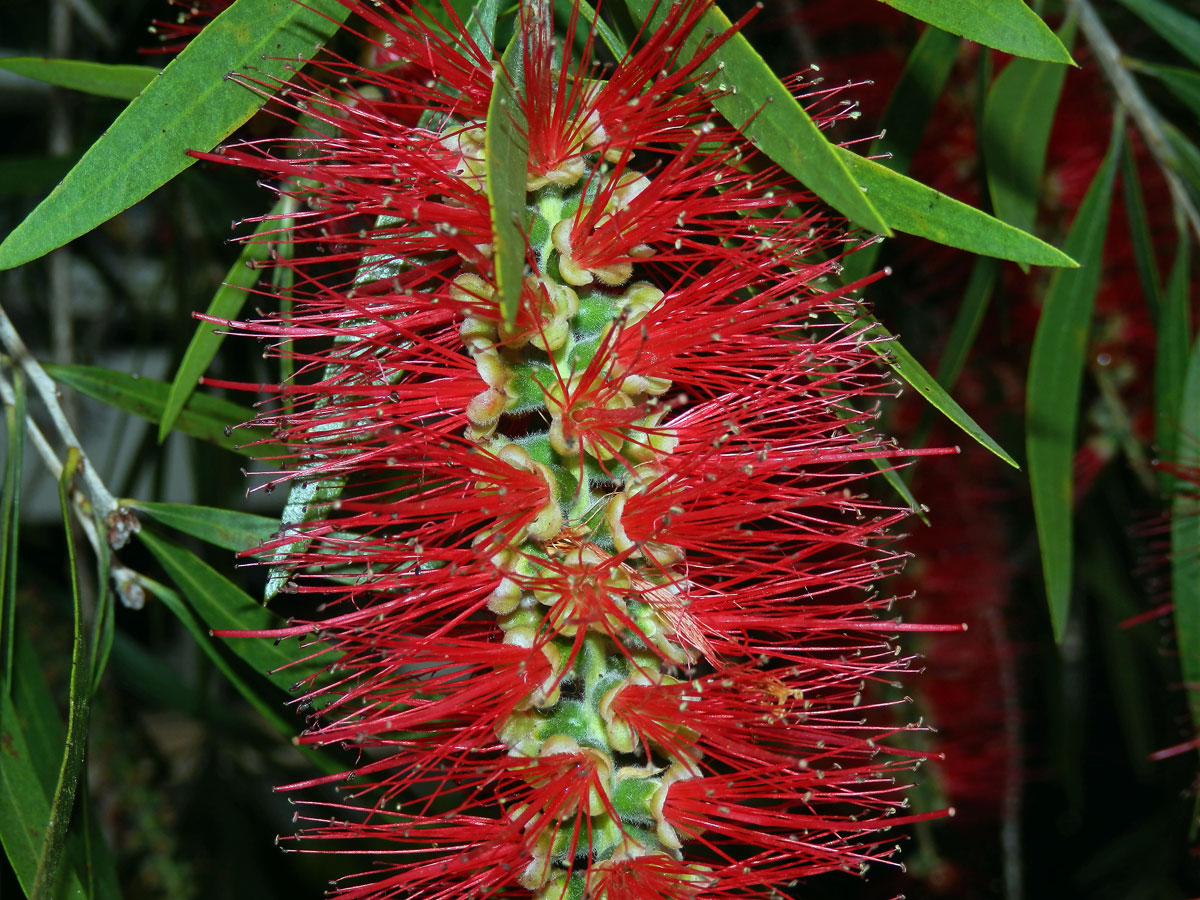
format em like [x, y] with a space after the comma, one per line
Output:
[1063, 711]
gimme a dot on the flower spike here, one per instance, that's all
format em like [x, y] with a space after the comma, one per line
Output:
[599, 583]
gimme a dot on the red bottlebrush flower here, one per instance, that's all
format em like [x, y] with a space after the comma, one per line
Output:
[605, 610]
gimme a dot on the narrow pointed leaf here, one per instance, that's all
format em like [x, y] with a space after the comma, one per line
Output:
[190, 106]
[1185, 541]
[223, 528]
[121, 82]
[223, 606]
[191, 616]
[1185, 156]
[1008, 25]
[507, 149]
[968, 321]
[1184, 83]
[481, 24]
[24, 807]
[906, 366]
[1139, 233]
[913, 208]
[10, 506]
[204, 416]
[226, 303]
[1171, 353]
[74, 754]
[31, 741]
[1017, 118]
[1178, 29]
[1055, 380]
[767, 113]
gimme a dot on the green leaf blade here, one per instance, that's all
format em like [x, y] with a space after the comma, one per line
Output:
[226, 303]
[78, 712]
[1054, 385]
[224, 528]
[903, 124]
[1017, 117]
[507, 150]
[222, 606]
[1183, 83]
[1174, 329]
[907, 367]
[1185, 539]
[204, 416]
[1008, 25]
[190, 106]
[10, 507]
[1178, 29]
[968, 321]
[120, 82]
[913, 208]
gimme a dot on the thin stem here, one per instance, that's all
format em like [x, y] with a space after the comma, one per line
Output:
[102, 501]
[53, 463]
[123, 578]
[1149, 122]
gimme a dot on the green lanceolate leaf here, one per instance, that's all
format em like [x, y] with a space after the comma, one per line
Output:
[908, 111]
[913, 208]
[906, 366]
[767, 113]
[481, 24]
[10, 505]
[1174, 330]
[1178, 29]
[1008, 25]
[190, 106]
[204, 416]
[24, 808]
[967, 323]
[226, 303]
[1055, 380]
[222, 606]
[1139, 232]
[1184, 83]
[78, 713]
[190, 616]
[507, 149]
[1017, 118]
[1185, 156]
[121, 82]
[31, 741]
[1185, 540]
[223, 528]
